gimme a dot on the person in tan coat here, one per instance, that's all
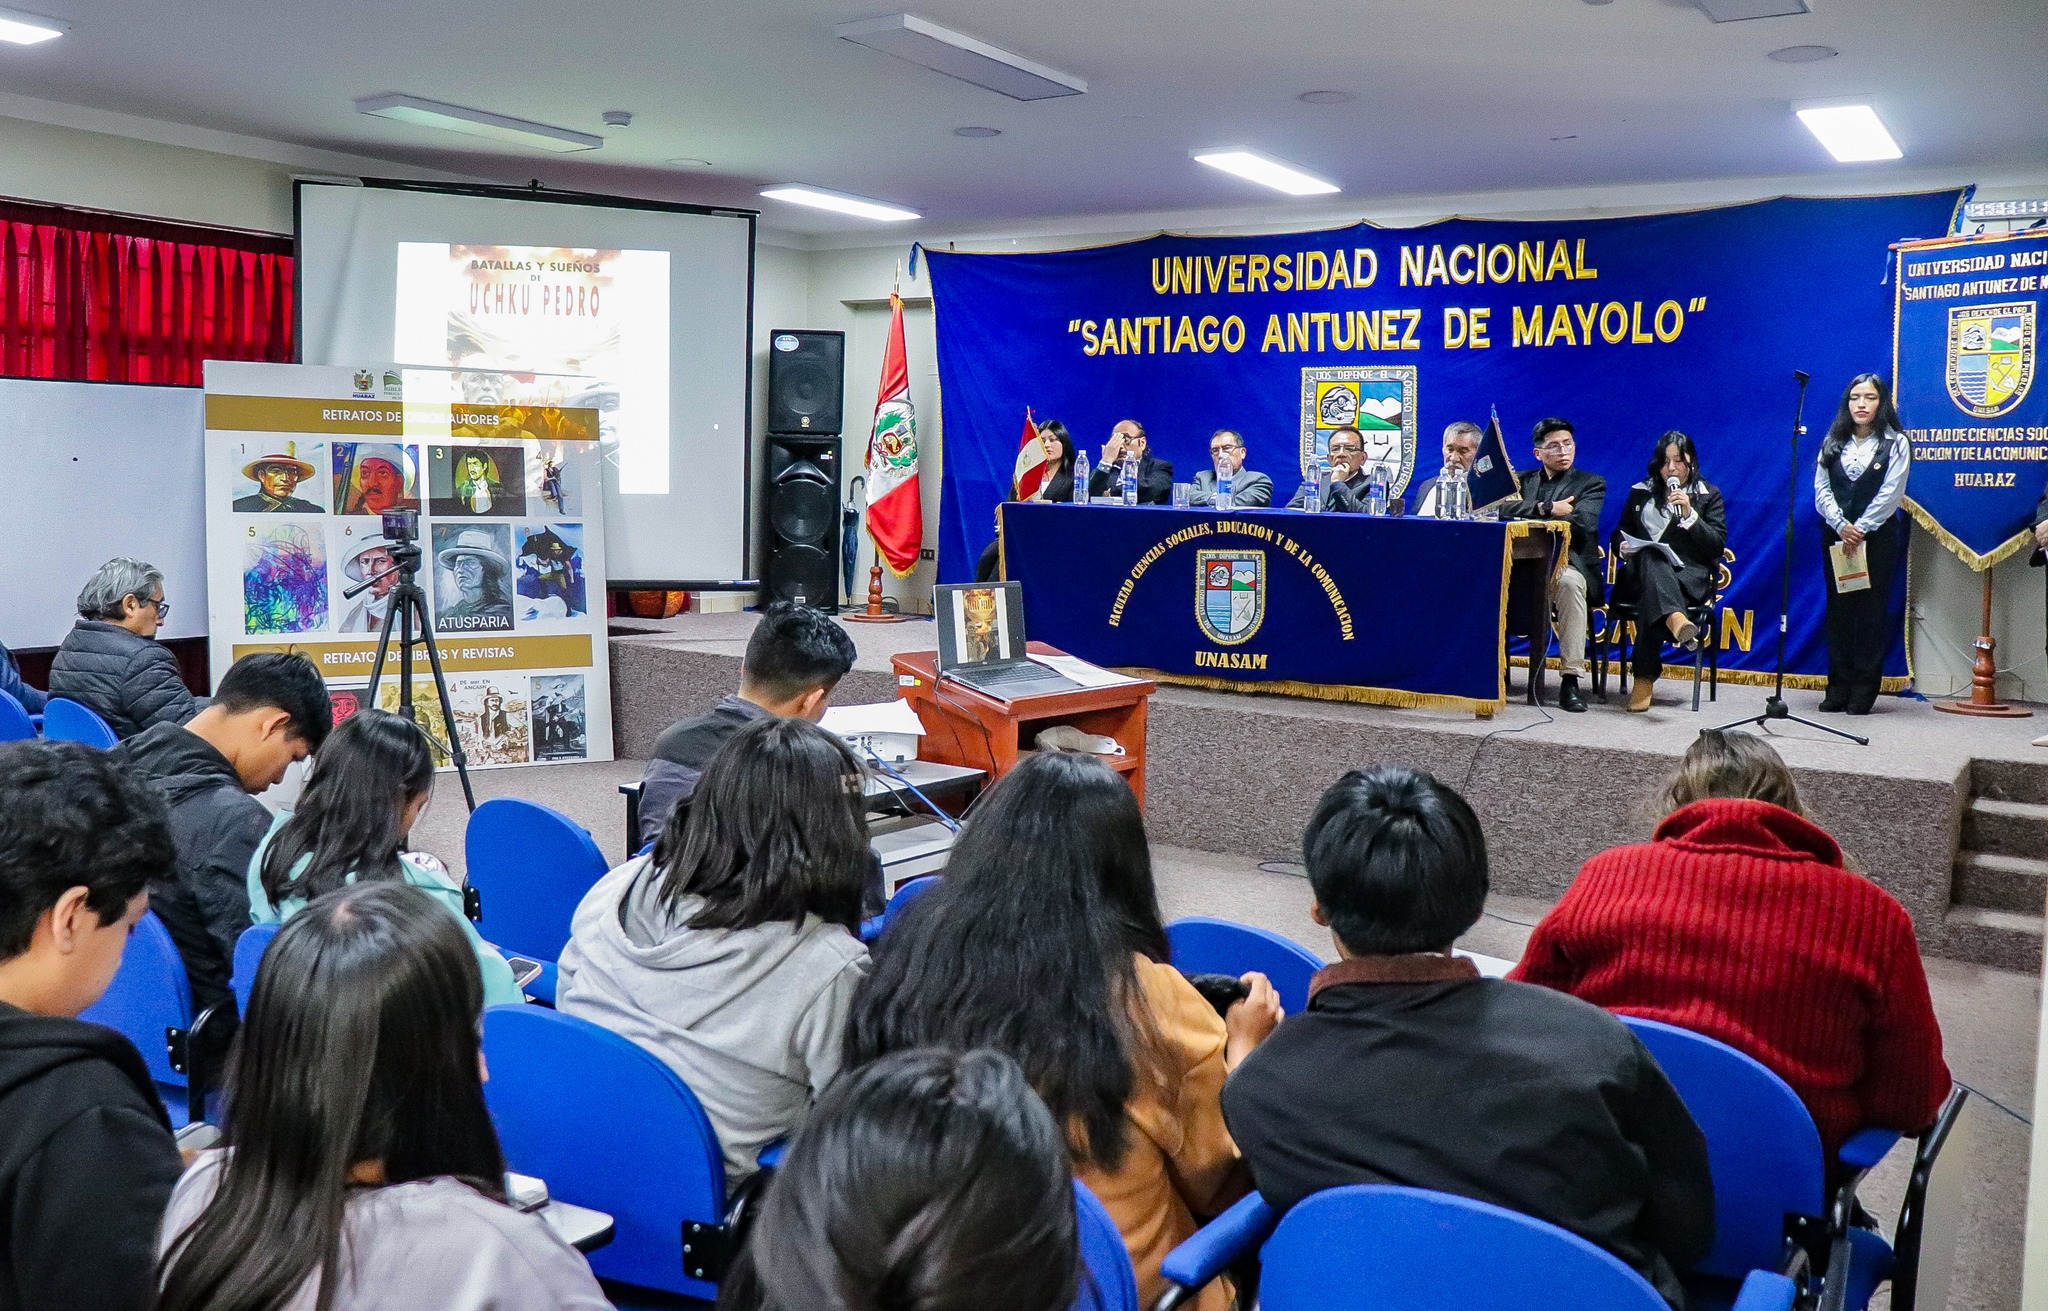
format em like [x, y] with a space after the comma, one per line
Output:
[1044, 942]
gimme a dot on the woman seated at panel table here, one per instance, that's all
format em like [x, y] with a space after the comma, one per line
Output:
[1673, 506]
[1741, 920]
[1057, 486]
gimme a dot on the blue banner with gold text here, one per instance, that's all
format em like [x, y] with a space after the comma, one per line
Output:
[1626, 326]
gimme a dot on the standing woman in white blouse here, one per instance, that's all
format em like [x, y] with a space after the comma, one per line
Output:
[1859, 484]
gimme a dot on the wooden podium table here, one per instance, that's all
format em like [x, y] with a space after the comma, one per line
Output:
[965, 727]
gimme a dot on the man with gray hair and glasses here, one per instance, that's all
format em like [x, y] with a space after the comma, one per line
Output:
[112, 663]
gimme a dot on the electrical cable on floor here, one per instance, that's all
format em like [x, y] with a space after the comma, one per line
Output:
[1979, 1092]
[1290, 867]
[1473, 766]
[1508, 919]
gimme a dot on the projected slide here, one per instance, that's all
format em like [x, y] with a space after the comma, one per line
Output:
[601, 315]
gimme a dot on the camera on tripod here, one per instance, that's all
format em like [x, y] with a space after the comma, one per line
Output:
[402, 526]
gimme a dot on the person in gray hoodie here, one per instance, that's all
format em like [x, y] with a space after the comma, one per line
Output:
[732, 950]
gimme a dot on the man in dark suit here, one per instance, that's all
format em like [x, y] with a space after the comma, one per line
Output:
[1249, 489]
[1461, 447]
[1155, 476]
[1560, 491]
[1346, 492]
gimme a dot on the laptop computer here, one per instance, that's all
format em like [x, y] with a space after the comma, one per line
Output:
[981, 641]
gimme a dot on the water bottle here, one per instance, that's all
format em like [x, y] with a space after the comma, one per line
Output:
[1080, 478]
[1223, 481]
[1447, 493]
[1319, 487]
[1463, 492]
[1376, 491]
[1130, 481]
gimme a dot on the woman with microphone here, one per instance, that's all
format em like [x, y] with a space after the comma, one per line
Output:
[1673, 510]
[1859, 483]
[1057, 487]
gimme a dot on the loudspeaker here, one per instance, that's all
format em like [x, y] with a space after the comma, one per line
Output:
[803, 519]
[806, 381]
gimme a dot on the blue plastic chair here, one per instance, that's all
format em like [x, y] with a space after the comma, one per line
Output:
[150, 1001]
[1407, 1249]
[65, 720]
[608, 1126]
[249, 949]
[871, 928]
[1767, 1163]
[15, 725]
[530, 867]
[1107, 1281]
[1211, 946]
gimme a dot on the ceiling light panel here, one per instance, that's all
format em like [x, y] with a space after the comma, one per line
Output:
[958, 55]
[838, 202]
[477, 123]
[1266, 171]
[1737, 11]
[22, 29]
[1853, 134]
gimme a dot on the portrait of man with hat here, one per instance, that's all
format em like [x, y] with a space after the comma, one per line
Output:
[472, 592]
[372, 563]
[372, 477]
[276, 478]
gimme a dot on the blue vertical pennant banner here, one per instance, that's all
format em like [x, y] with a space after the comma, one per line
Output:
[1626, 326]
[1967, 347]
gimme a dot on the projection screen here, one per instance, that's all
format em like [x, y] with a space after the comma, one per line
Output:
[647, 306]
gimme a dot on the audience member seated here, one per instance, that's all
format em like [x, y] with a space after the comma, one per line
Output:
[369, 787]
[1055, 485]
[732, 951]
[1249, 489]
[111, 661]
[1740, 920]
[1409, 1068]
[86, 1156]
[1677, 507]
[359, 1168]
[794, 659]
[271, 710]
[1127, 441]
[1346, 492]
[929, 1179]
[12, 684]
[1044, 942]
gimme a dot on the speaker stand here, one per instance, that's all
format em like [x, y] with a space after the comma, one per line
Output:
[1984, 676]
[874, 614]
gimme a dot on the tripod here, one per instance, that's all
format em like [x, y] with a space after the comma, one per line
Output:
[1774, 705]
[406, 606]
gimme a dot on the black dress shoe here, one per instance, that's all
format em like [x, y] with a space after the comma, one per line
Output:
[1834, 702]
[1568, 698]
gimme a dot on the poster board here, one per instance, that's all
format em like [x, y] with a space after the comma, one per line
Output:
[301, 463]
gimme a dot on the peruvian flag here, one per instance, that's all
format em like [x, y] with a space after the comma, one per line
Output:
[1030, 474]
[895, 510]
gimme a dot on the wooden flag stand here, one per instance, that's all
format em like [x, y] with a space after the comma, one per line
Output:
[1984, 676]
[874, 614]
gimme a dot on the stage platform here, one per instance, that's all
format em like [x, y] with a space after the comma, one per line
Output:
[1947, 812]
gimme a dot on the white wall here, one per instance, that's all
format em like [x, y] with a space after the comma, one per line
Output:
[94, 170]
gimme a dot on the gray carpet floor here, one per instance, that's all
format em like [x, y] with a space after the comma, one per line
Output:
[1989, 1017]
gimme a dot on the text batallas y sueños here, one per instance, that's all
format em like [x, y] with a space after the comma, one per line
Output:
[1571, 321]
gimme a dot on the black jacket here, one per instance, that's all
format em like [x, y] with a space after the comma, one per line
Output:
[1342, 496]
[204, 898]
[680, 754]
[131, 681]
[1698, 548]
[1155, 480]
[87, 1164]
[1588, 492]
[1414, 1070]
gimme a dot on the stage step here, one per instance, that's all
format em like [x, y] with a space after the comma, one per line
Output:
[1997, 882]
[2002, 939]
[2006, 828]
[2010, 780]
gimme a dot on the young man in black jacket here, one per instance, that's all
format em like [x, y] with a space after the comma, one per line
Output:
[271, 710]
[1560, 490]
[87, 1161]
[1409, 1068]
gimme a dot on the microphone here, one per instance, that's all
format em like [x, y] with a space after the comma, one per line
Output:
[1672, 481]
[1802, 376]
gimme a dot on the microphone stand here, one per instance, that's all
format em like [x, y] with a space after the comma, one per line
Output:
[1774, 706]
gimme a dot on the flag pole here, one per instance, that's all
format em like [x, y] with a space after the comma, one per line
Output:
[874, 613]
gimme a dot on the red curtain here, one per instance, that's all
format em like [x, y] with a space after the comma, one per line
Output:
[107, 298]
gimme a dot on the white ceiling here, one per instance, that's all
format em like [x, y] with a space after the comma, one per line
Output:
[1452, 95]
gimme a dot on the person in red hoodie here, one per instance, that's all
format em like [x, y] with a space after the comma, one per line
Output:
[1740, 920]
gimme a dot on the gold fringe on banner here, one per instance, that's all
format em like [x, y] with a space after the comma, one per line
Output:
[1369, 696]
[1558, 564]
[1998, 554]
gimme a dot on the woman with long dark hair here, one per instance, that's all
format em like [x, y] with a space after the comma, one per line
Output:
[929, 1179]
[359, 1167]
[371, 782]
[1676, 507]
[1859, 483]
[1057, 486]
[1044, 942]
[732, 950]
